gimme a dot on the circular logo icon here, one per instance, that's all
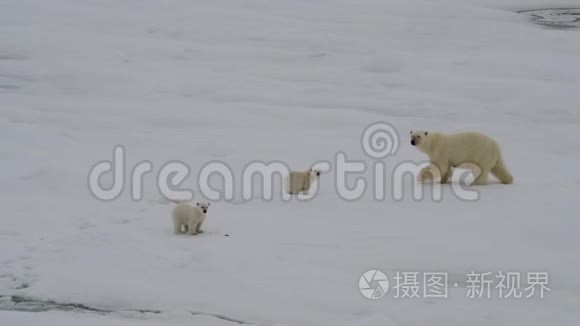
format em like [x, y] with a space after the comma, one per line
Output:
[380, 140]
[373, 284]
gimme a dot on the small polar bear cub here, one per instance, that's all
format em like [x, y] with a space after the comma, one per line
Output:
[188, 218]
[470, 150]
[299, 181]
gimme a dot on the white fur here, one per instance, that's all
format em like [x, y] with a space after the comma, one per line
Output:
[299, 181]
[188, 218]
[468, 149]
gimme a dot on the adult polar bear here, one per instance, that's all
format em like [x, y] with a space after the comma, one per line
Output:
[447, 151]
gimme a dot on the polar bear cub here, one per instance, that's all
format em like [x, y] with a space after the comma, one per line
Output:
[470, 150]
[299, 181]
[188, 218]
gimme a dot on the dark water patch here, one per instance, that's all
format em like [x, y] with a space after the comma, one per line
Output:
[20, 303]
[222, 317]
[559, 18]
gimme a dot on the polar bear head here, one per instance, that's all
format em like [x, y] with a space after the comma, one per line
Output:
[420, 139]
[314, 173]
[203, 206]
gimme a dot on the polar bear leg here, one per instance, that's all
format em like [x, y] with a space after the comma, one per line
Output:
[199, 223]
[287, 185]
[176, 225]
[192, 228]
[482, 179]
[294, 183]
[445, 178]
[501, 172]
[441, 172]
[428, 174]
[425, 175]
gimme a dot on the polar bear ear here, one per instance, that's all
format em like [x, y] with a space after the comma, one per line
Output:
[197, 204]
[208, 204]
[411, 132]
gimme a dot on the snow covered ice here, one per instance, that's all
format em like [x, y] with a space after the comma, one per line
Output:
[292, 81]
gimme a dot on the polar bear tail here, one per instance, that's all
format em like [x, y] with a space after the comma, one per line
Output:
[501, 172]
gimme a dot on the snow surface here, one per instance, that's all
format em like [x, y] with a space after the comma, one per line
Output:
[294, 81]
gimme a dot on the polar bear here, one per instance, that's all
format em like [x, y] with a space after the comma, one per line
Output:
[470, 150]
[300, 181]
[188, 218]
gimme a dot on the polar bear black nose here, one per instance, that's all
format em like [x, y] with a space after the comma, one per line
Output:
[205, 211]
[413, 142]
